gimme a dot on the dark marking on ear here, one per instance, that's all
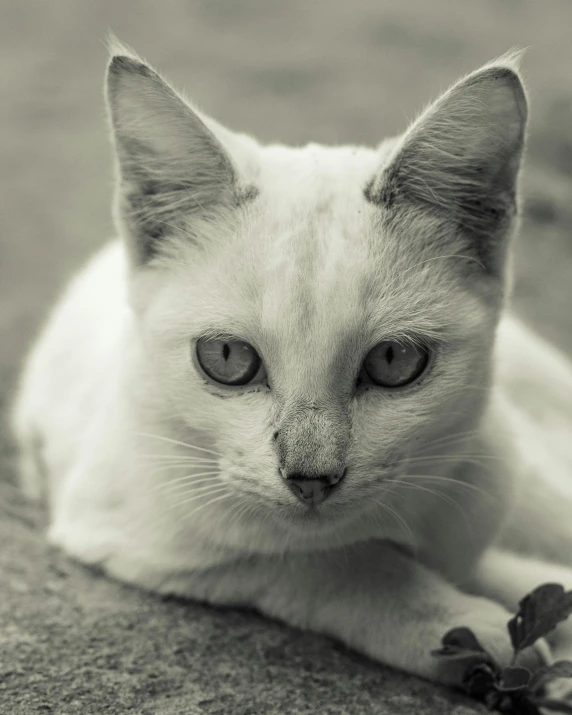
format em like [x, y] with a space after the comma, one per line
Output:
[123, 63]
[143, 208]
[246, 194]
[382, 191]
[368, 191]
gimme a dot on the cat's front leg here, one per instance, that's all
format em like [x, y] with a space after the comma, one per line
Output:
[371, 596]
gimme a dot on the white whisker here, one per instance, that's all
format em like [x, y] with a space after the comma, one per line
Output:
[181, 444]
[164, 468]
[176, 485]
[447, 499]
[216, 489]
[455, 482]
[400, 520]
[183, 489]
[461, 436]
[212, 501]
[180, 458]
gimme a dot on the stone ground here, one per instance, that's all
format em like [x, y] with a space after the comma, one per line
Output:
[72, 641]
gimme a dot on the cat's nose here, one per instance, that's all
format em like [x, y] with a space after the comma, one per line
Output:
[312, 490]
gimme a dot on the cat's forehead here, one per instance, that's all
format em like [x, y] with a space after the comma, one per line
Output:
[315, 260]
[311, 266]
[315, 177]
[311, 214]
[312, 228]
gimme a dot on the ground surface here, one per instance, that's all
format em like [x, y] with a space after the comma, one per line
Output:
[297, 71]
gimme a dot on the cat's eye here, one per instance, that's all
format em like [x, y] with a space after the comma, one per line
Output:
[394, 364]
[228, 361]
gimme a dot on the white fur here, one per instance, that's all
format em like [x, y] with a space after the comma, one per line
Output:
[310, 275]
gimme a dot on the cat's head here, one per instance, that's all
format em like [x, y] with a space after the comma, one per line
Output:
[319, 314]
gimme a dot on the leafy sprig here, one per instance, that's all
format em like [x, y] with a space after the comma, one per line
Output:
[515, 690]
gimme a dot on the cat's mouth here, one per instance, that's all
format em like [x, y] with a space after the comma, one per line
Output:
[345, 506]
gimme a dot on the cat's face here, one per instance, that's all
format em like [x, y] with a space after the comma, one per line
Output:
[320, 315]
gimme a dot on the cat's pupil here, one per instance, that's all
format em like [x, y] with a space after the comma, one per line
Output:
[225, 351]
[389, 355]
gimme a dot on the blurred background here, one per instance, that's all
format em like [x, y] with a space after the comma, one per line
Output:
[288, 70]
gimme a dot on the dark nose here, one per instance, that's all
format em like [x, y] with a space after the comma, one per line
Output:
[313, 490]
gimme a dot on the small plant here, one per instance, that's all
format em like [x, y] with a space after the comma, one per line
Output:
[515, 690]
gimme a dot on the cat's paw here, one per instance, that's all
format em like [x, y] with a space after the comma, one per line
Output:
[488, 622]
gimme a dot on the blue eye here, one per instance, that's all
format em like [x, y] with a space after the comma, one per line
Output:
[394, 364]
[228, 362]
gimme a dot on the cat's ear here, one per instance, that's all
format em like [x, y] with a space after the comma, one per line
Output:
[460, 159]
[171, 165]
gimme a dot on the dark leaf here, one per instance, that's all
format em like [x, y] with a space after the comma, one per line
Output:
[480, 681]
[539, 613]
[560, 669]
[494, 701]
[520, 704]
[514, 677]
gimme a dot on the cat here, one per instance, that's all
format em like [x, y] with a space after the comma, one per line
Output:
[293, 381]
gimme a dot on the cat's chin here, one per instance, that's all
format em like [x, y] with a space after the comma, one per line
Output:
[313, 526]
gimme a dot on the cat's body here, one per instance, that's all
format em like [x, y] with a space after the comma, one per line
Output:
[309, 255]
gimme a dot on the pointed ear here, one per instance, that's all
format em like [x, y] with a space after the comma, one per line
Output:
[171, 165]
[461, 158]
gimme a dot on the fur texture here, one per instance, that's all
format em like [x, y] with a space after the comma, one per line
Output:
[313, 256]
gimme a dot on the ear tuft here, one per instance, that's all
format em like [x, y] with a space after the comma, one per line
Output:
[512, 60]
[116, 47]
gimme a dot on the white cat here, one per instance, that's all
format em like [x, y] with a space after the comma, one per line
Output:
[280, 387]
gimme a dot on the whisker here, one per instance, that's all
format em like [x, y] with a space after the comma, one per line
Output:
[480, 460]
[179, 457]
[164, 468]
[242, 510]
[191, 476]
[202, 493]
[157, 468]
[445, 497]
[454, 457]
[400, 520]
[185, 518]
[456, 482]
[184, 462]
[444, 459]
[181, 444]
[458, 436]
[448, 500]
[176, 485]
[212, 501]
[182, 489]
